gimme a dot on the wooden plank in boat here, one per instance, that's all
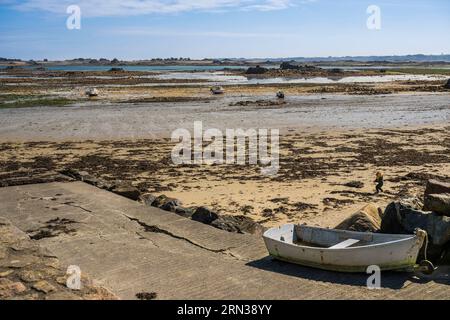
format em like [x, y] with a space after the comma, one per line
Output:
[345, 244]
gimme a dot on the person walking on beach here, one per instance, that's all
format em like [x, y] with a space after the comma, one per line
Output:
[380, 181]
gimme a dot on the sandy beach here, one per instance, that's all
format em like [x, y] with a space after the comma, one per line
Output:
[327, 141]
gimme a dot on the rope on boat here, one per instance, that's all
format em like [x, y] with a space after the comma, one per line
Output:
[426, 245]
[418, 232]
[425, 266]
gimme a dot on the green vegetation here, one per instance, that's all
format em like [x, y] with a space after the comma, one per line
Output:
[23, 101]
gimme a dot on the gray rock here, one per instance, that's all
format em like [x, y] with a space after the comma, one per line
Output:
[238, 224]
[405, 220]
[436, 187]
[165, 203]
[438, 228]
[204, 215]
[439, 203]
[413, 203]
[227, 224]
[170, 205]
[147, 199]
[184, 212]
[127, 190]
[159, 201]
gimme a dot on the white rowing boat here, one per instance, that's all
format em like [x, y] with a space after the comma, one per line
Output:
[340, 250]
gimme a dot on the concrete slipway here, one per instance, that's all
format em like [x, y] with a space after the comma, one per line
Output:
[130, 248]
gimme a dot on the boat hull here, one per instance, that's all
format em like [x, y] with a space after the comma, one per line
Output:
[393, 255]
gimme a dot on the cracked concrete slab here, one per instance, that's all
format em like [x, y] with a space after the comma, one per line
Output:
[130, 248]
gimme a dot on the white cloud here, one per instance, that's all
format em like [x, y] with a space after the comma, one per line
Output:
[96, 8]
[176, 33]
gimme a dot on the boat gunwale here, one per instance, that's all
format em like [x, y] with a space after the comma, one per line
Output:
[406, 237]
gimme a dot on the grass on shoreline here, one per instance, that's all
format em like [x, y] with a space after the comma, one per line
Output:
[23, 101]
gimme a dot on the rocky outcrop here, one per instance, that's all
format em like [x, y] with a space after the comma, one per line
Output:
[291, 66]
[365, 220]
[256, 70]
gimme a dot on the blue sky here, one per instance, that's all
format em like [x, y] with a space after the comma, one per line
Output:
[141, 29]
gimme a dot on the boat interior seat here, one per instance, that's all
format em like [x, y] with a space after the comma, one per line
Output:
[345, 244]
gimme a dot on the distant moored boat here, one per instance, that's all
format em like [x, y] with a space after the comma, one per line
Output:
[280, 95]
[217, 90]
[91, 92]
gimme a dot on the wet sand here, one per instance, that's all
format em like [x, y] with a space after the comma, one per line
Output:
[103, 121]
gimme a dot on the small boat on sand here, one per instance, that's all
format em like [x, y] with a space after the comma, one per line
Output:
[345, 251]
[280, 95]
[217, 90]
[91, 92]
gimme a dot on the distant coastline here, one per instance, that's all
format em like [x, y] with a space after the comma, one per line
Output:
[416, 59]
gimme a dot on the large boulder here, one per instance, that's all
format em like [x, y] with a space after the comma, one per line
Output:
[437, 187]
[439, 203]
[367, 219]
[399, 218]
[238, 224]
[204, 215]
